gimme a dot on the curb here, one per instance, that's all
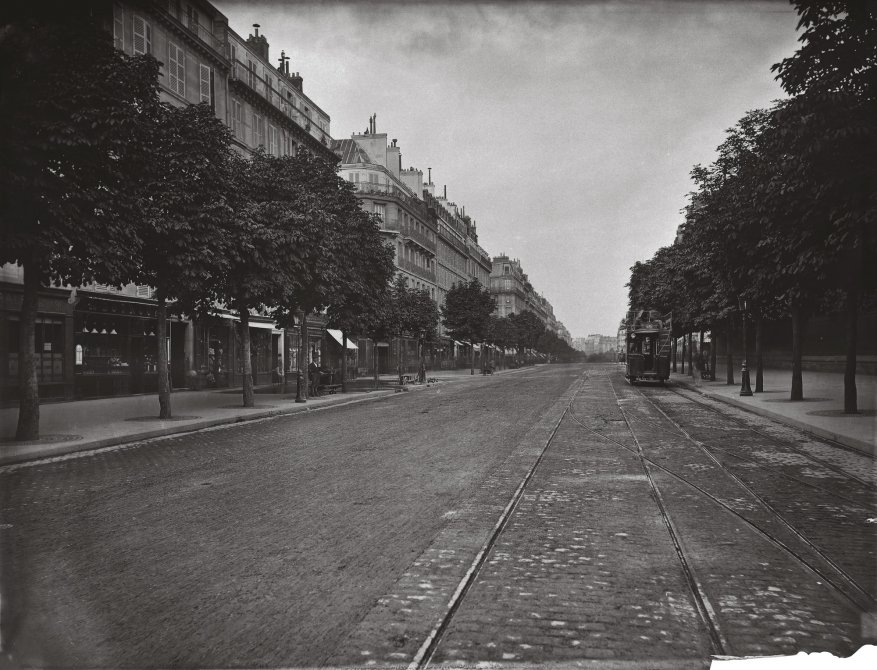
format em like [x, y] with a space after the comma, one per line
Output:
[859, 446]
[72, 447]
[201, 424]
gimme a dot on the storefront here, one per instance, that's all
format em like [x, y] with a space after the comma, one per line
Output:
[115, 348]
[338, 356]
[219, 360]
[54, 377]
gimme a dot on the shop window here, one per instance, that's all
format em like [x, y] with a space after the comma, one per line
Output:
[48, 349]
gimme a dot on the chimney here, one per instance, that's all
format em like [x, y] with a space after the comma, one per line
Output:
[297, 81]
[429, 172]
[258, 43]
[446, 191]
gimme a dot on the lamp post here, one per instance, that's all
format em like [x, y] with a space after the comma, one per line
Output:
[301, 365]
[745, 389]
[421, 371]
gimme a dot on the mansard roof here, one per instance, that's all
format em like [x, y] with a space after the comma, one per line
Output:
[350, 152]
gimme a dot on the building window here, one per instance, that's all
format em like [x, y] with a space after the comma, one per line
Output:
[192, 15]
[380, 209]
[176, 69]
[142, 36]
[273, 140]
[258, 130]
[118, 27]
[205, 88]
[237, 118]
[251, 74]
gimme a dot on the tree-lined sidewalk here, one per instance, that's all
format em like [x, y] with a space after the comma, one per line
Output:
[783, 222]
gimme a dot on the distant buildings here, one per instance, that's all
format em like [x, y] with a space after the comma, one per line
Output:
[596, 344]
[514, 293]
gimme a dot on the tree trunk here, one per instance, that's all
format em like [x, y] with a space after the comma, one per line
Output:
[343, 362]
[472, 359]
[851, 404]
[400, 367]
[303, 355]
[729, 353]
[714, 342]
[691, 354]
[375, 357]
[682, 369]
[674, 349]
[700, 360]
[164, 385]
[29, 389]
[249, 396]
[759, 360]
[421, 365]
[797, 335]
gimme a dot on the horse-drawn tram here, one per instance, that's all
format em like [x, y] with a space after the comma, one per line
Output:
[647, 346]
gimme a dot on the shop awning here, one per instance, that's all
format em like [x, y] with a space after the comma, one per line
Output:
[338, 336]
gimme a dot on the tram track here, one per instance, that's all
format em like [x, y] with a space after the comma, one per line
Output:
[842, 583]
[807, 555]
[767, 506]
[705, 610]
[784, 443]
[871, 505]
[427, 649]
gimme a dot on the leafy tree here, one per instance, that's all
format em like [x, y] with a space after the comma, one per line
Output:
[75, 115]
[184, 228]
[345, 264]
[500, 333]
[278, 229]
[359, 302]
[466, 314]
[414, 312]
[528, 329]
[833, 81]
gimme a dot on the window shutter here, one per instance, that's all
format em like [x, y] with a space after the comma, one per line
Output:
[205, 84]
[142, 36]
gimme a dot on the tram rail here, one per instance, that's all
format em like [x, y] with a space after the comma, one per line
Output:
[427, 649]
[817, 562]
[785, 443]
[859, 598]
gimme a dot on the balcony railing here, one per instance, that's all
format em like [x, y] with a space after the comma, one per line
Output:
[413, 268]
[453, 241]
[392, 191]
[412, 233]
[241, 73]
[205, 34]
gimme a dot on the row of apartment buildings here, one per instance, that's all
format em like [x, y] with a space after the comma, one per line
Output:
[99, 340]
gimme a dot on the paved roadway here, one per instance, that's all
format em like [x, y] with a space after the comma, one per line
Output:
[513, 518]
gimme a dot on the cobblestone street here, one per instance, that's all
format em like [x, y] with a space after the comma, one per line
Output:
[555, 514]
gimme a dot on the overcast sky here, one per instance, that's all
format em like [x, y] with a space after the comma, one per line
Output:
[567, 130]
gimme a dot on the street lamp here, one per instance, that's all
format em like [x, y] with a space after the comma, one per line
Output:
[745, 389]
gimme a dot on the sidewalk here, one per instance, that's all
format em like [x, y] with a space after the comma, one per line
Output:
[820, 413]
[82, 425]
